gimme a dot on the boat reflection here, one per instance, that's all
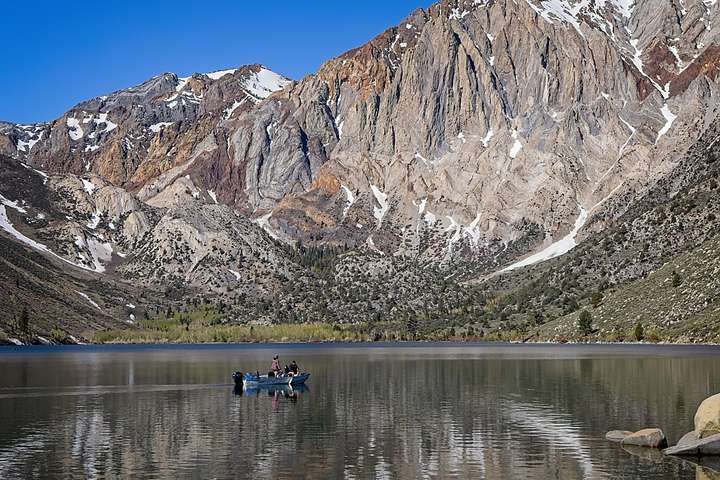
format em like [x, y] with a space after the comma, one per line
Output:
[276, 391]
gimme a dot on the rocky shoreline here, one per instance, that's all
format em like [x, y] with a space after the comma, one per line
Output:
[701, 446]
[72, 340]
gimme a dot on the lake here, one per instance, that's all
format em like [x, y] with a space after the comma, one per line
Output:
[370, 411]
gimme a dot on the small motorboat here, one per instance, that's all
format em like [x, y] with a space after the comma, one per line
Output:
[250, 380]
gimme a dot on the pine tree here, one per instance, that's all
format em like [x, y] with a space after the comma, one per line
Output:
[585, 323]
[538, 318]
[639, 332]
[24, 320]
[412, 325]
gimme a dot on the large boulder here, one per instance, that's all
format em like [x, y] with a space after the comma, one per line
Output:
[707, 417]
[703, 473]
[692, 446]
[688, 438]
[648, 437]
[617, 435]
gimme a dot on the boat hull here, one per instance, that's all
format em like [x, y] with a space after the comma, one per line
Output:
[265, 381]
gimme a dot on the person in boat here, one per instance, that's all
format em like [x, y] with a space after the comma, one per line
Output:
[294, 368]
[287, 370]
[275, 366]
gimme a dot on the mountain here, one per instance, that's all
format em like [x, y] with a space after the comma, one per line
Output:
[471, 165]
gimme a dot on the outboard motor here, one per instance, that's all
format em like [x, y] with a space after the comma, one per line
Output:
[238, 379]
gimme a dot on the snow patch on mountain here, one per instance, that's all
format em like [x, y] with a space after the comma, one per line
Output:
[517, 146]
[182, 81]
[560, 10]
[94, 221]
[39, 172]
[220, 73]
[12, 231]
[371, 245]
[669, 119]
[100, 252]
[264, 83]
[264, 223]
[624, 7]
[156, 127]
[103, 120]
[74, 129]
[26, 146]
[88, 299]
[565, 244]
[231, 109]
[456, 14]
[488, 136]
[678, 61]
[472, 232]
[88, 186]
[456, 230]
[379, 212]
[561, 247]
[423, 159]
[350, 200]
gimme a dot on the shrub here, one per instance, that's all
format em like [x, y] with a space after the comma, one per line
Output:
[618, 335]
[57, 335]
[585, 323]
[653, 336]
[538, 318]
[639, 332]
[676, 279]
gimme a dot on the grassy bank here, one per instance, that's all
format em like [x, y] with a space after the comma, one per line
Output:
[282, 333]
[208, 324]
[312, 332]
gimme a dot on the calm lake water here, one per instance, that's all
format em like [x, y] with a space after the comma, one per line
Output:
[410, 411]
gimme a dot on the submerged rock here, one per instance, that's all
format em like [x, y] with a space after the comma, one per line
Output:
[707, 417]
[691, 445]
[648, 437]
[647, 454]
[707, 468]
[617, 435]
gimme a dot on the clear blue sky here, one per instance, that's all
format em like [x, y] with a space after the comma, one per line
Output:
[54, 54]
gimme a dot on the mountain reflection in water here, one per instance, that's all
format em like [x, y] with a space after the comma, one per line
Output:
[480, 411]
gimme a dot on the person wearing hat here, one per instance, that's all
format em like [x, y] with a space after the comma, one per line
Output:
[275, 366]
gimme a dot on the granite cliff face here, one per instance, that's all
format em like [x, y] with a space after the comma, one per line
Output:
[491, 134]
[481, 118]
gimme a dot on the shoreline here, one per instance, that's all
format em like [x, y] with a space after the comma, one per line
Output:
[365, 343]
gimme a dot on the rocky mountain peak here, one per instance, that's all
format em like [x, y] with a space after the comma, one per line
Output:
[495, 133]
